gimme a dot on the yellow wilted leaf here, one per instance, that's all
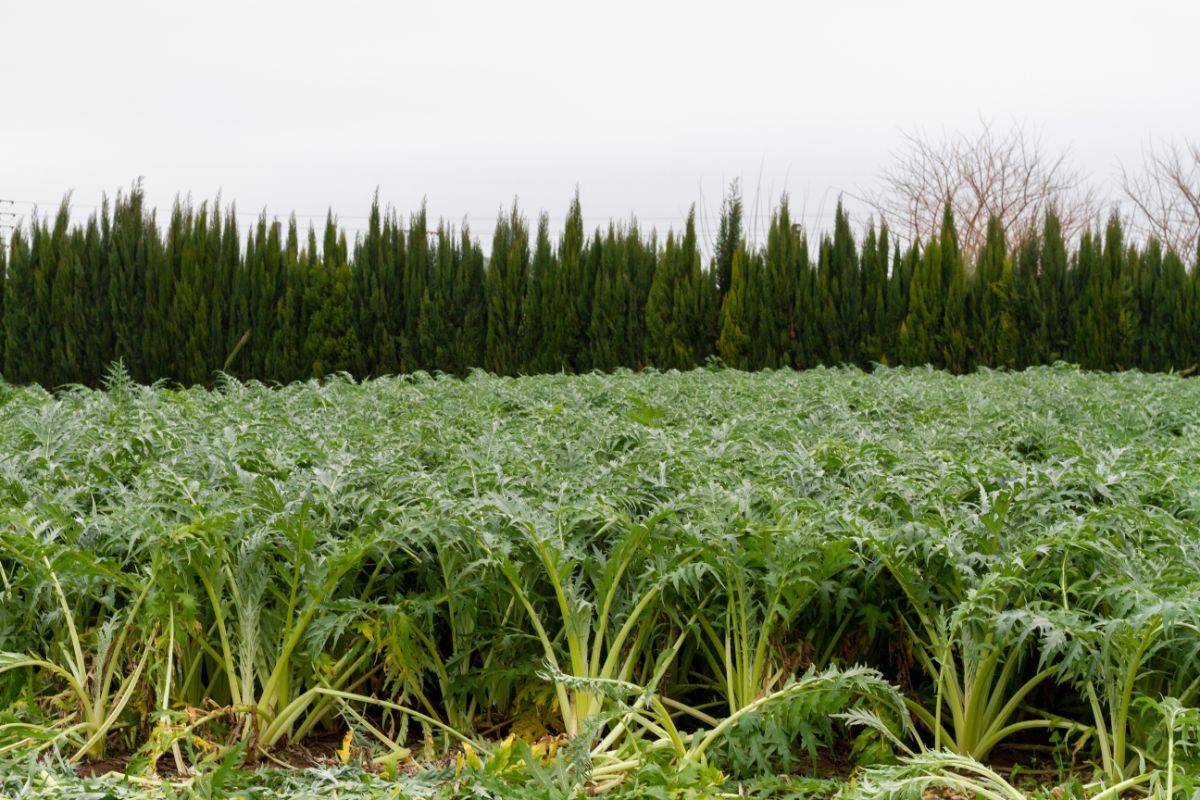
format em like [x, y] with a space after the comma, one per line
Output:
[344, 751]
[472, 759]
[545, 748]
[529, 726]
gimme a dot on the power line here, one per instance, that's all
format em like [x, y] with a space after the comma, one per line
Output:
[255, 215]
[347, 223]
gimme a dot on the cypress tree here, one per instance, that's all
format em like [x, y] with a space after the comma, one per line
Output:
[1175, 329]
[825, 307]
[369, 268]
[217, 286]
[505, 288]
[670, 305]
[416, 269]
[1086, 283]
[378, 270]
[955, 335]
[729, 238]
[996, 332]
[641, 265]
[1056, 291]
[1107, 312]
[135, 245]
[237, 330]
[97, 338]
[561, 314]
[606, 329]
[394, 252]
[452, 310]
[68, 325]
[593, 253]
[286, 354]
[784, 260]
[3, 288]
[696, 302]
[1192, 310]
[331, 341]
[18, 318]
[1156, 310]
[265, 272]
[207, 328]
[899, 285]
[243, 289]
[873, 315]
[188, 315]
[660, 350]
[539, 295]
[41, 259]
[470, 309]
[438, 310]
[846, 290]
[810, 345]
[310, 274]
[1033, 343]
[162, 279]
[1129, 316]
[758, 311]
[920, 333]
[729, 242]
[733, 342]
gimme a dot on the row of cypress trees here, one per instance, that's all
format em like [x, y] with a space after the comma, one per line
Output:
[184, 301]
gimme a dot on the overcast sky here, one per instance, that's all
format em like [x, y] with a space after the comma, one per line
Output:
[647, 107]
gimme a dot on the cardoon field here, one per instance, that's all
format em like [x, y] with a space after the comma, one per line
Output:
[700, 584]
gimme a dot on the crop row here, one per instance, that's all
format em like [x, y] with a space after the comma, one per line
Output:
[707, 569]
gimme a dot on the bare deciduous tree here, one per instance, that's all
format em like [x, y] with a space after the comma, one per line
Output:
[1166, 194]
[1011, 175]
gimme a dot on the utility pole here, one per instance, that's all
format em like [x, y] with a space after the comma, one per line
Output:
[5, 215]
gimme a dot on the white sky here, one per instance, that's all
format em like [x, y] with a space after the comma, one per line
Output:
[648, 107]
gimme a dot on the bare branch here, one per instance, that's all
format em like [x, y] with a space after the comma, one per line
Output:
[1008, 174]
[1166, 194]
